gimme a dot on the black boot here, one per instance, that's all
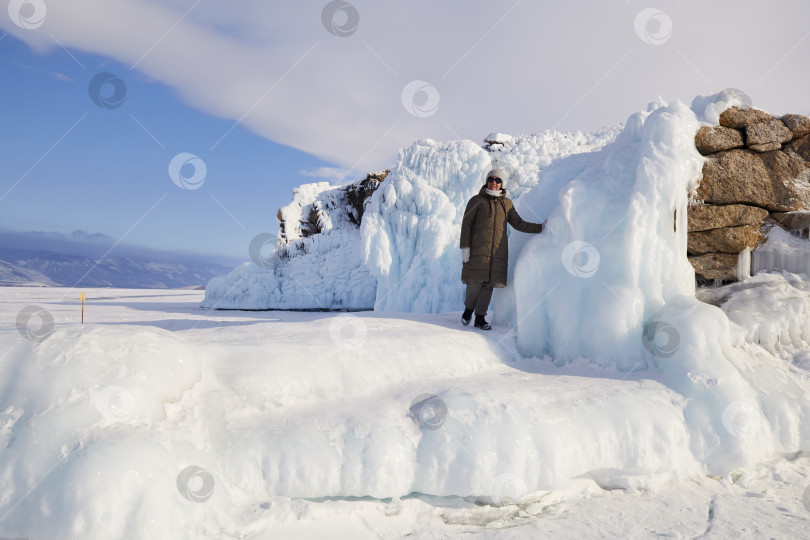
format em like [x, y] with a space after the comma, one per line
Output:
[466, 316]
[481, 323]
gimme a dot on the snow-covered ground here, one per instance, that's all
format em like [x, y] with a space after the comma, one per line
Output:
[160, 419]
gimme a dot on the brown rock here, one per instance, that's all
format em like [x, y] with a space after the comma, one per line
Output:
[715, 265]
[798, 124]
[703, 217]
[766, 136]
[737, 118]
[800, 146]
[725, 240]
[793, 221]
[766, 147]
[745, 177]
[715, 139]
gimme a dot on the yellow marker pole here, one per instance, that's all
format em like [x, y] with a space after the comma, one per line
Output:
[82, 297]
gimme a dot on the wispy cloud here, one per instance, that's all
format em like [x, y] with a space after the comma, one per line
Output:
[325, 173]
[508, 66]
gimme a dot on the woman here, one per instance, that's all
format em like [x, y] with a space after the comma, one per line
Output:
[484, 246]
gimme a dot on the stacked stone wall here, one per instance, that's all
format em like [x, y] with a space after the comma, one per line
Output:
[758, 172]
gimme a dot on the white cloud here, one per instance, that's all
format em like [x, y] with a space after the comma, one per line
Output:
[326, 174]
[512, 67]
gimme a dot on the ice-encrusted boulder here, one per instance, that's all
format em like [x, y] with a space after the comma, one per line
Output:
[315, 263]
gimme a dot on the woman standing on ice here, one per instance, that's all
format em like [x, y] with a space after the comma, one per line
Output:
[484, 245]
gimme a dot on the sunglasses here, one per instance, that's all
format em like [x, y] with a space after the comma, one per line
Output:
[495, 180]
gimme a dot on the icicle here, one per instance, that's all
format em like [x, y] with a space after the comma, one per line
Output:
[744, 264]
[782, 251]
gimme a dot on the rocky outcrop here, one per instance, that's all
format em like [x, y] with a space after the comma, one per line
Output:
[737, 118]
[711, 266]
[747, 177]
[725, 240]
[318, 207]
[705, 216]
[798, 222]
[798, 124]
[358, 194]
[758, 168]
[800, 147]
[715, 139]
[766, 136]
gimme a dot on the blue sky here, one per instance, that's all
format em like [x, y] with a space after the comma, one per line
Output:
[110, 170]
[262, 90]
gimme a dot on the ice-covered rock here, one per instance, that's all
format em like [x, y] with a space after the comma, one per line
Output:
[316, 261]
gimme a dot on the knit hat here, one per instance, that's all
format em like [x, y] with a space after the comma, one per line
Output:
[497, 173]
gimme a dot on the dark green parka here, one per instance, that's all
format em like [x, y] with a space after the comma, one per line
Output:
[483, 230]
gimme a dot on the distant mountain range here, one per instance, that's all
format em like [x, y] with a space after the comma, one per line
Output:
[19, 267]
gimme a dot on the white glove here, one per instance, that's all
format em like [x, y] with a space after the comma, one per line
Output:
[465, 254]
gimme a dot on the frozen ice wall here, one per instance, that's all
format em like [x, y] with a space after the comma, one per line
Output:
[412, 226]
[614, 251]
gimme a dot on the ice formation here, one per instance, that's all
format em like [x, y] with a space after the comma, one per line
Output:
[304, 270]
[409, 244]
[614, 252]
[412, 226]
[609, 282]
[782, 251]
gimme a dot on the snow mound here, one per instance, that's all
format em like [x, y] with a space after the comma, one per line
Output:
[77, 417]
